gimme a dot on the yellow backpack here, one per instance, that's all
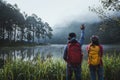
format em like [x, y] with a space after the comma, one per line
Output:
[94, 55]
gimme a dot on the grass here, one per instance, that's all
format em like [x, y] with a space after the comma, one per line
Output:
[54, 69]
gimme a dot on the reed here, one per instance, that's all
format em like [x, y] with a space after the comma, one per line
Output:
[54, 69]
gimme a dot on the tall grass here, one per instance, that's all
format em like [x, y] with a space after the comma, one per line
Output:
[112, 67]
[54, 69]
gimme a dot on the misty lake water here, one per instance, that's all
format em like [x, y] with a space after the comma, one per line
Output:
[54, 51]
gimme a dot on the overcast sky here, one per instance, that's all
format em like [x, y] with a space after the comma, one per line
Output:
[55, 11]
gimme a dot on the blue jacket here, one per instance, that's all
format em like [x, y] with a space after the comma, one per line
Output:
[81, 41]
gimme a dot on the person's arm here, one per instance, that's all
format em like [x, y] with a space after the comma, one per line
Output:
[82, 37]
[65, 54]
[81, 41]
[101, 54]
[101, 50]
[87, 48]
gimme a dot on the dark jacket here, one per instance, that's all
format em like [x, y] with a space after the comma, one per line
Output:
[73, 40]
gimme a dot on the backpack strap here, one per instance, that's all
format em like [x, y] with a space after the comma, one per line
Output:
[88, 48]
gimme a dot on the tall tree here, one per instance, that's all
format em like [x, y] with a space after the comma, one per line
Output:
[109, 12]
[48, 30]
[15, 25]
[31, 23]
[108, 9]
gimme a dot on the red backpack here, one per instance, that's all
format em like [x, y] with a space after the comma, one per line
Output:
[74, 53]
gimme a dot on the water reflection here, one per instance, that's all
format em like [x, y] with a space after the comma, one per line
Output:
[55, 51]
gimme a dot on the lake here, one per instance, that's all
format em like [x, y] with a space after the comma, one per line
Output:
[54, 51]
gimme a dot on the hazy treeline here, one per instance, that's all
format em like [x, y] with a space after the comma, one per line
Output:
[19, 27]
[107, 30]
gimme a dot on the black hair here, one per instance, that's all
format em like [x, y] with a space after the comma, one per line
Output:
[94, 40]
[71, 35]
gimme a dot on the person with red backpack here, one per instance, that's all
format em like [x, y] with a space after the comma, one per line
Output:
[95, 53]
[73, 55]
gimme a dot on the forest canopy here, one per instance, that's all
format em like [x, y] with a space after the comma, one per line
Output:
[20, 27]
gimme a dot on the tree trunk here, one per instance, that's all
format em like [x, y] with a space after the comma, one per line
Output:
[22, 34]
[3, 31]
[10, 36]
[15, 35]
[33, 33]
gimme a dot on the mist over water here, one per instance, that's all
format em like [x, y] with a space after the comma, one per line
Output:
[48, 51]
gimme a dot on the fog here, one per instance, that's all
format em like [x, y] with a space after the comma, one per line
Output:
[55, 11]
[66, 16]
[108, 34]
[72, 24]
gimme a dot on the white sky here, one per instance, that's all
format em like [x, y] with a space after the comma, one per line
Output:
[54, 11]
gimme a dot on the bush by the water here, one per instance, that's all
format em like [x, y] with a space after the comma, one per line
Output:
[52, 69]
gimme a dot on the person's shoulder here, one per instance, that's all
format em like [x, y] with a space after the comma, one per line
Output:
[100, 45]
[78, 42]
[90, 44]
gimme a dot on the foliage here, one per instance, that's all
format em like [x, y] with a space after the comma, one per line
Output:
[111, 66]
[111, 4]
[108, 11]
[54, 69]
[17, 26]
[108, 32]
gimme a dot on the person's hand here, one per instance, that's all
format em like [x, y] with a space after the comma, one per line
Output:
[82, 27]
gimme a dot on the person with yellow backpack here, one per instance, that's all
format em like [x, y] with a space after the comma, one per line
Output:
[95, 53]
